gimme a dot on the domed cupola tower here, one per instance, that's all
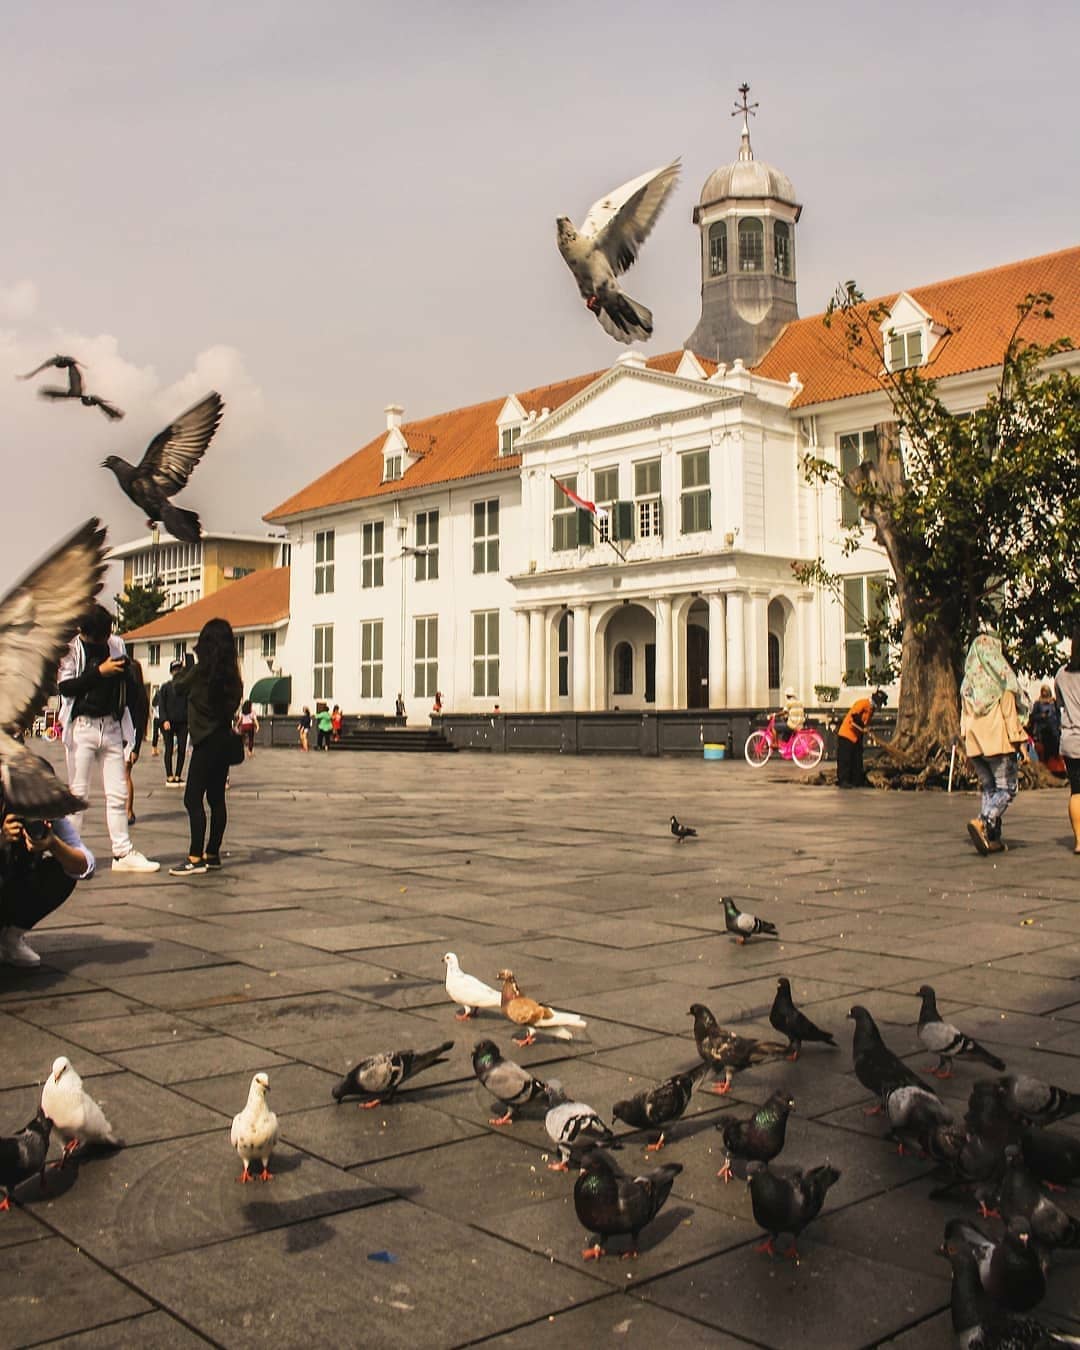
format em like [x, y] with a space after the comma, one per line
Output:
[747, 215]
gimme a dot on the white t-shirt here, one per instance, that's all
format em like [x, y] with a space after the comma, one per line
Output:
[1068, 700]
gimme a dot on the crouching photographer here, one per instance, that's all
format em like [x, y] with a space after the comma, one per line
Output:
[40, 863]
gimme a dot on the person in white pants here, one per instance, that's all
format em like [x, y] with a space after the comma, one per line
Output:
[97, 725]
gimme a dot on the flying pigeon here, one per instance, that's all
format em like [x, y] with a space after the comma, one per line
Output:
[1010, 1270]
[379, 1076]
[744, 925]
[23, 1154]
[1019, 1195]
[75, 387]
[609, 1202]
[38, 618]
[471, 993]
[921, 1121]
[790, 1022]
[944, 1040]
[759, 1138]
[876, 1067]
[75, 1115]
[608, 243]
[507, 1082]
[720, 1049]
[1052, 1155]
[1035, 1102]
[526, 1012]
[254, 1130]
[978, 1322]
[660, 1105]
[572, 1124]
[167, 465]
[682, 832]
[787, 1204]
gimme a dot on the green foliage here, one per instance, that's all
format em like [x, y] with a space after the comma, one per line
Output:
[139, 605]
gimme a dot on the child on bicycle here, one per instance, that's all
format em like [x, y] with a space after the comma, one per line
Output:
[791, 717]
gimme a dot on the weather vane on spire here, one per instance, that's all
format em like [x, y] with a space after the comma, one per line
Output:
[747, 109]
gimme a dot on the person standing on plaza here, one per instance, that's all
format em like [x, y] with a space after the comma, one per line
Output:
[1067, 684]
[154, 751]
[247, 724]
[303, 730]
[325, 725]
[336, 721]
[140, 716]
[97, 692]
[992, 704]
[1044, 725]
[849, 740]
[214, 689]
[172, 704]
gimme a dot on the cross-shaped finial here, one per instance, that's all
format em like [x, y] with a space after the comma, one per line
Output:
[747, 109]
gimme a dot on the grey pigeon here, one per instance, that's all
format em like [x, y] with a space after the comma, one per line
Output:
[941, 1038]
[23, 1154]
[507, 1082]
[75, 386]
[876, 1067]
[608, 243]
[572, 1125]
[38, 618]
[660, 1105]
[1052, 1155]
[167, 465]
[254, 1130]
[786, 1204]
[379, 1076]
[609, 1202]
[790, 1022]
[920, 1120]
[1010, 1270]
[744, 925]
[1035, 1102]
[1019, 1195]
[978, 1322]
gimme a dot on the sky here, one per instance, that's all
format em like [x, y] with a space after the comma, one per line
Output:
[321, 209]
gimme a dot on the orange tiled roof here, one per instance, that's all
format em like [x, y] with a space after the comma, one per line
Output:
[979, 310]
[255, 601]
[452, 445]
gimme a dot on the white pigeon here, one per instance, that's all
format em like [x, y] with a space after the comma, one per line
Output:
[572, 1124]
[254, 1130]
[467, 990]
[608, 243]
[76, 1117]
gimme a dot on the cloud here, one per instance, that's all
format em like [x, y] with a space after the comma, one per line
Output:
[18, 301]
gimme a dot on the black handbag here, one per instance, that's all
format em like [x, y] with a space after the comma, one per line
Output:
[236, 748]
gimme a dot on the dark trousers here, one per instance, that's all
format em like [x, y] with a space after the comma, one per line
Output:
[207, 774]
[27, 894]
[324, 739]
[157, 733]
[849, 763]
[176, 734]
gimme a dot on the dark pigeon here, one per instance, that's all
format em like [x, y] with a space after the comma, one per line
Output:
[682, 832]
[1037, 1103]
[723, 1050]
[744, 925]
[609, 1202]
[379, 1076]
[23, 1154]
[660, 1105]
[1019, 1195]
[788, 1204]
[1010, 1270]
[876, 1067]
[167, 465]
[507, 1082]
[760, 1137]
[75, 387]
[941, 1038]
[1053, 1156]
[920, 1121]
[980, 1324]
[790, 1022]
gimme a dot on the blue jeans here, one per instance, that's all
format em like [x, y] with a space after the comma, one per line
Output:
[997, 778]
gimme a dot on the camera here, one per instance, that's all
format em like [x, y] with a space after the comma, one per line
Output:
[35, 829]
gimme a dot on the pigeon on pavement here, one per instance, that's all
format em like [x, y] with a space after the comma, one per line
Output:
[609, 1202]
[379, 1076]
[75, 386]
[790, 1022]
[75, 1115]
[38, 618]
[526, 1012]
[876, 1067]
[254, 1130]
[507, 1082]
[572, 1125]
[167, 465]
[1052, 1155]
[23, 1154]
[744, 925]
[682, 832]
[1019, 1195]
[921, 1121]
[660, 1105]
[607, 244]
[759, 1138]
[1035, 1102]
[724, 1050]
[471, 993]
[944, 1040]
[1010, 1270]
[978, 1322]
[787, 1204]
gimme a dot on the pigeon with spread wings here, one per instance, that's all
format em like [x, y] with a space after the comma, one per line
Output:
[38, 618]
[608, 243]
[164, 470]
[75, 386]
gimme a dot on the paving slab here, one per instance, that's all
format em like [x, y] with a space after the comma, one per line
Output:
[154, 1329]
[48, 1289]
[616, 1320]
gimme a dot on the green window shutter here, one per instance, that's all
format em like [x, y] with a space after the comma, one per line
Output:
[623, 521]
[584, 528]
[687, 503]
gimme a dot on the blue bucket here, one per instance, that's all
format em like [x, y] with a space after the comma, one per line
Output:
[716, 752]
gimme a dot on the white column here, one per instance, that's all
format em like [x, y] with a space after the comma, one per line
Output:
[664, 653]
[717, 652]
[537, 662]
[521, 620]
[581, 658]
[758, 649]
[597, 664]
[804, 636]
[736, 649]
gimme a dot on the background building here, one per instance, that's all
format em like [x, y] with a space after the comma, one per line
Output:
[190, 571]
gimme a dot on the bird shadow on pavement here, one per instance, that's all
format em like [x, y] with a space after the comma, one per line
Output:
[57, 1183]
[657, 1232]
[305, 1230]
[102, 951]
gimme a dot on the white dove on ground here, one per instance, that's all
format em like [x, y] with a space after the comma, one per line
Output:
[608, 243]
[254, 1130]
[471, 993]
[75, 1115]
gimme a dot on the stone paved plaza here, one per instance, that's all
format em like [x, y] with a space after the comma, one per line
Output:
[348, 877]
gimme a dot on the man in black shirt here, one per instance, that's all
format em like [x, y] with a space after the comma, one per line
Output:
[172, 709]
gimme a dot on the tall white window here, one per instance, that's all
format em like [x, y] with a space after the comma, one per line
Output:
[153, 654]
[564, 656]
[269, 645]
[324, 562]
[718, 249]
[696, 500]
[392, 469]
[426, 657]
[371, 554]
[427, 545]
[865, 601]
[855, 448]
[486, 654]
[782, 248]
[606, 490]
[647, 499]
[751, 245]
[322, 675]
[485, 549]
[564, 521]
[240, 646]
[905, 349]
[178, 650]
[508, 439]
[371, 659]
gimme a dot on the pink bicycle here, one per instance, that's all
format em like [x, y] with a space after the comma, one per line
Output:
[804, 746]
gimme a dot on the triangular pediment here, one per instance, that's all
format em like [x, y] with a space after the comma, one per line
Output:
[511, 413]
[905, 313]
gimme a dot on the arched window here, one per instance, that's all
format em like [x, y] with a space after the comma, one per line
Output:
[564, 655]
[718, 249]
[624, 669]
[751, 245]
[782, 248]
[774, 661]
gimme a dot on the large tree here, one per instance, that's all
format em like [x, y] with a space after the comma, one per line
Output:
[977, 512]
[140, 604]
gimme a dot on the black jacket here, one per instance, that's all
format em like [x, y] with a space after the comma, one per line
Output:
[172, 703]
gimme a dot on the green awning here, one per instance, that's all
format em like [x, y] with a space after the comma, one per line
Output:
[273, 689]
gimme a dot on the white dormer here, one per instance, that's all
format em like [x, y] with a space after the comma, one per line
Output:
[395, 450]
[510, 421]
[909, 334]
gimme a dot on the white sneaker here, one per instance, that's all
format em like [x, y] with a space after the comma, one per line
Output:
[15, 950]
[134, 862]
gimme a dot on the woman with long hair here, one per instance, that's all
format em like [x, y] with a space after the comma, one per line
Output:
[214, 689]
[1067, 682]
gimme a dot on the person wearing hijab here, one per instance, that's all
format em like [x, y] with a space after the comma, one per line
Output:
[992, 704]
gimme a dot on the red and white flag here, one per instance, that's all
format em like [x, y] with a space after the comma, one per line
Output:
[600, 512]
